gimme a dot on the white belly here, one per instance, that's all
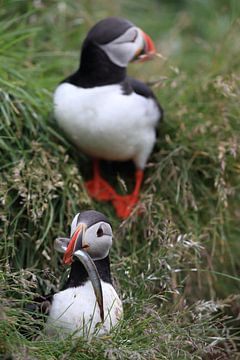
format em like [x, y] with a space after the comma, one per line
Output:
[104, 123]
[75, 311]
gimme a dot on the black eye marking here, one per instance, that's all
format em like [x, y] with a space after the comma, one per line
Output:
[100, 232]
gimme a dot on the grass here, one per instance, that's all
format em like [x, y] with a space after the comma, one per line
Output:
[177, 266]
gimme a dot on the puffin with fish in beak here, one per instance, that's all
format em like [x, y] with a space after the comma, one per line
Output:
[107, 114]
[88, 305]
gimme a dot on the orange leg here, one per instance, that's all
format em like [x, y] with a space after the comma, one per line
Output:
[98, 188]
[125, 204]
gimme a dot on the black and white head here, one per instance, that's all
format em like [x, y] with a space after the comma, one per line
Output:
[121, 41]
[90, 240]
[90, 232]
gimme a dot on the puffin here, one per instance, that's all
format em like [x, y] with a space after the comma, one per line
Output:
[88, 305]
[105, 113]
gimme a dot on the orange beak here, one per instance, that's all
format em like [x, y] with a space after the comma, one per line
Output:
[74, 244]
[149, 44]
[148, 51]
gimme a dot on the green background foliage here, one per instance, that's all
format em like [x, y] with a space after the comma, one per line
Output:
[176, 266]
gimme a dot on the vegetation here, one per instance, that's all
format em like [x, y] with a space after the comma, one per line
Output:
[176, 265]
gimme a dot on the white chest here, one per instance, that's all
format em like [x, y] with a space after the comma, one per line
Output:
[75, 311]
[103, 122]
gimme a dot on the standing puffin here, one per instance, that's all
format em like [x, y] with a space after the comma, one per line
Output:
[107, 114]
[88, 304]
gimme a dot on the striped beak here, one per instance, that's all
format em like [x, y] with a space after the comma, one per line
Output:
[148, 50]
[149, 47]
[76, 243]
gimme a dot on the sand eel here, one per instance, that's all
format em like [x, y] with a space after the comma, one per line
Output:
[88, 304]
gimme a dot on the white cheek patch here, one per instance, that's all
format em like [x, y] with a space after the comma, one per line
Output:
[99, 246]
[122, 50]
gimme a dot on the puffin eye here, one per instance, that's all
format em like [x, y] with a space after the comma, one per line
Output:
[100, 232]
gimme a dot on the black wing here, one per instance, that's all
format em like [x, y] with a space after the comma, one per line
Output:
[37, 311]
[40, 305]
[130, 84]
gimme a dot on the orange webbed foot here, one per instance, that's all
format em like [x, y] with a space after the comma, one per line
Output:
[100, 190]
[124, 205]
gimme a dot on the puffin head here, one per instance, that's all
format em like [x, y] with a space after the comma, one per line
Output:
[121, 41]
[90, 232]
[90, 239]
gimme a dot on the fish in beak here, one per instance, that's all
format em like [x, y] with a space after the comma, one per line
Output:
[94, 277]
[77, 248]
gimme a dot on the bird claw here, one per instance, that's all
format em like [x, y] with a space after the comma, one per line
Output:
[124, 205]
[100, 190]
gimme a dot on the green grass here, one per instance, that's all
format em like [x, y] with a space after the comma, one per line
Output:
[177, 266]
